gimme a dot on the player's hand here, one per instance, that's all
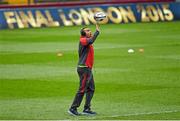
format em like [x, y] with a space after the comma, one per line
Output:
[97, 27]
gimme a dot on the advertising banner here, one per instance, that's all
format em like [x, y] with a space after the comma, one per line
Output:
[71, 16]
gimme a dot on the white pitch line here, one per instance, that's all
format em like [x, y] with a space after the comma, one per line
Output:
[148, 113]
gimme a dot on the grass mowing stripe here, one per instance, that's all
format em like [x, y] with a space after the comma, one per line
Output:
[30, 71]
[38, 47]
[26, 71]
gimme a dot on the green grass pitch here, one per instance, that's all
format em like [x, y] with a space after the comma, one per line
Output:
[35, 83]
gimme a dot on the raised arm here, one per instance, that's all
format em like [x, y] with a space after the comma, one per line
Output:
[92, 39]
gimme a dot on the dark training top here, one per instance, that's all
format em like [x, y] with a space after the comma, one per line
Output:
[86, 51]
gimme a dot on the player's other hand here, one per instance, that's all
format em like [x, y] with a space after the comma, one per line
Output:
[97, 27]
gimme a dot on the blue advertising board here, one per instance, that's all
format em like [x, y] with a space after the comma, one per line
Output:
[71, 16]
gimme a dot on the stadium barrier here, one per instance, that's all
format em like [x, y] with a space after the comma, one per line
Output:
[75, 15]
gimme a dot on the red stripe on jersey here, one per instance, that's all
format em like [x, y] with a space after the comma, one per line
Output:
[90, 57]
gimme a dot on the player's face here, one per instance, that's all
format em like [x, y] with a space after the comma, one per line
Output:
[88, 32]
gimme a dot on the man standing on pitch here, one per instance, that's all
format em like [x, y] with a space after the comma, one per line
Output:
[84, 69]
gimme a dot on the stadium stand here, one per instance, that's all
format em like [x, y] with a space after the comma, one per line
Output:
[3, 2]
[30, 2]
